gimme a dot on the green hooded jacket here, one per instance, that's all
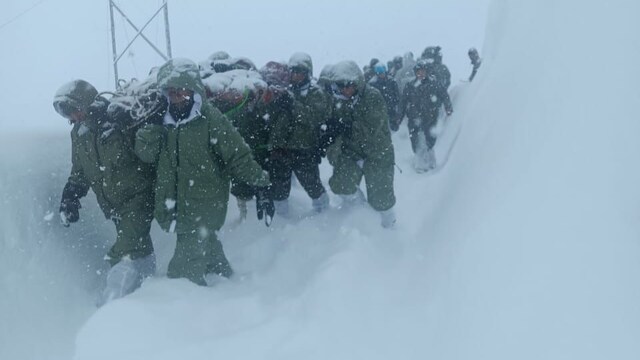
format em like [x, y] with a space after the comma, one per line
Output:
[102, 155]
[196, 158]
[364, 146]
[310, 109]
[367, 135]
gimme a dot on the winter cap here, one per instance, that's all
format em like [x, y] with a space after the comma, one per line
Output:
[422, 64]
[380, 69]
[77, 94]
[432, 53]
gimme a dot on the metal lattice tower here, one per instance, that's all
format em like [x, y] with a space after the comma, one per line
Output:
[139, 34]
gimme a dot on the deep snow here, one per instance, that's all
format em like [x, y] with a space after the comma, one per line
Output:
[524, 246]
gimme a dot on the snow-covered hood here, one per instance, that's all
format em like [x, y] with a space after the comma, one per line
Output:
[181, 74]
[348, 71]
[302, 60]
[77, 93]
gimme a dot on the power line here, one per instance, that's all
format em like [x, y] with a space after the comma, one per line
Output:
[21, 14]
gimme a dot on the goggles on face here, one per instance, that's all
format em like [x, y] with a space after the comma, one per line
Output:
[64, 108]
[343, 84]
[298, 70]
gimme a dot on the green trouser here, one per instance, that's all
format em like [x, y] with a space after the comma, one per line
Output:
[197, 254]
[133, 222]
[378, 176]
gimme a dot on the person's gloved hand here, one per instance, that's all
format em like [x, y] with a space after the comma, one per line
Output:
[70, 204]
[69, 212]
[264, 206]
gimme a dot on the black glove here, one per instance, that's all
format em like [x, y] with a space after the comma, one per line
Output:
[264, 206]
[70, 204]
[321, 152]
[394, 125]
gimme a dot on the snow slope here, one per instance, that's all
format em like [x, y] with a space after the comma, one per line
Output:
[525, 246]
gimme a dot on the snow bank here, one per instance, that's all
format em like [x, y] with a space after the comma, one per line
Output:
[537, 211]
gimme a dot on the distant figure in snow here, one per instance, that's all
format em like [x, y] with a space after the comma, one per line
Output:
[103, 160]
[394, 66]
[368, 69]
[433, 55]
[388, 88]
[476, 61]
[405, 74]
[421, 101]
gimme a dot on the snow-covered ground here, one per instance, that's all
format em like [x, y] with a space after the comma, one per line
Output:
[526, 245]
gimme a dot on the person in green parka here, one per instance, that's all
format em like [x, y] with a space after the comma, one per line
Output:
[295, 139]
[421, 101]
[103, 160]
[197, 151]
[363, 147]
[245, 99]
[247, 118]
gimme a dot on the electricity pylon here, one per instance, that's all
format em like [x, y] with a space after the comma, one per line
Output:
[116, 57]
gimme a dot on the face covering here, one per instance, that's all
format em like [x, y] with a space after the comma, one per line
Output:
[181, 110]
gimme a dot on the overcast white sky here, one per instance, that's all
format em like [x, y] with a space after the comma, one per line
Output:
[56, 41]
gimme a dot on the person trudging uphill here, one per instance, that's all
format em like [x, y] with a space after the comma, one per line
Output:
[197, 152]
[363, 147]
[104, 161]
[421, 101]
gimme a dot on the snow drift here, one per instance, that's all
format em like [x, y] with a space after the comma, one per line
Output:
[525, 246]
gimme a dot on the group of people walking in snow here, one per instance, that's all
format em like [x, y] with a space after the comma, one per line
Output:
[174, 146]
